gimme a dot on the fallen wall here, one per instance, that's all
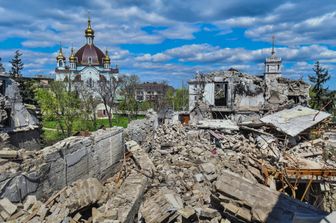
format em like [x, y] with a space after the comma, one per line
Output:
[139, 130]
[124, 204]
[57, 166]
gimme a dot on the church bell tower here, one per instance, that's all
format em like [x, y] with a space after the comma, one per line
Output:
[272, 64]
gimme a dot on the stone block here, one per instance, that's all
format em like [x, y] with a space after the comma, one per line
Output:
[208, 168]
[7, 206]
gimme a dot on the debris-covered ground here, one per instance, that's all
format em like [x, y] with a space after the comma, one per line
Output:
[200, 174]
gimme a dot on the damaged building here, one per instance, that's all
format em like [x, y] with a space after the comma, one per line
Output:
[19, 125]
[220, 93]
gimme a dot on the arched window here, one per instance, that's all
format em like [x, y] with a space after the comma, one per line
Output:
[89, 60]
[60, 63]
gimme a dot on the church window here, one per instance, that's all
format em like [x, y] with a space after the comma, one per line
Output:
[89, 60]
[60, 63]
[267, 68]
[278, 66]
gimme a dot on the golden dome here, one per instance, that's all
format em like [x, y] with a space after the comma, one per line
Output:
[72, 57]
[107, 58]
[89, 32]
[60, 55]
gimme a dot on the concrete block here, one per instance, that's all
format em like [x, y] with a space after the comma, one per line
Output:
[8, 206]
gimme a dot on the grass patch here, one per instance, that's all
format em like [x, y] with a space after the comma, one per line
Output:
[52, 134]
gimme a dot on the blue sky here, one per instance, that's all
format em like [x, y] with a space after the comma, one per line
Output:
[171, 40]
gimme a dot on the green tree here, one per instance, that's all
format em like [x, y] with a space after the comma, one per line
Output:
[59, 104]
[27, 90]
[129, 103]
[178, 99]
[145, 105]
[88, 104]
[17, 65]
[319, 93]
[107, 90]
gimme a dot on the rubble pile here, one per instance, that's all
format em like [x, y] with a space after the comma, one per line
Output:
[140, 130]
[176, 173]
[65, 203]
[116, 200]
[192, 165]
[3, 108]
[42, 172]
[176, 147]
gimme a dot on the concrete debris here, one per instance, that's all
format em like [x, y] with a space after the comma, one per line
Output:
[40, 173]
[20, 123]
[330, 218]
[295, 120]
[173, 173]
[138, 130]
[10, 154]
[162, 207]
[251, 202]
[217, 124]
[7, 207]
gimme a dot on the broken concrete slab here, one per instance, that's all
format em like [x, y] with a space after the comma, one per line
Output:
[223, 124]
[295, 120]
[29, 202]
[161, 207]
[7, 206]
[188, 213]
[125, 202]
[208, 168]
[250, 201]
[57, 166]
[330, 218]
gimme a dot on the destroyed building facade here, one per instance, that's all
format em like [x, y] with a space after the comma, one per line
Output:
[223, 92]
[19, 125]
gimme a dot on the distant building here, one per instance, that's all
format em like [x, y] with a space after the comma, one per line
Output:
[89, 64]
[43, 80]
[101, 111]
[151, 91]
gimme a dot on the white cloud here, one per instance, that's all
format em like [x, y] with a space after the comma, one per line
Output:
[303, 37]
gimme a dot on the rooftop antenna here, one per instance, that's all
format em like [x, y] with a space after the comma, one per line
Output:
[273, 39]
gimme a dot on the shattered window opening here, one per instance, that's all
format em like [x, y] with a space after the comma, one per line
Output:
[221, 94]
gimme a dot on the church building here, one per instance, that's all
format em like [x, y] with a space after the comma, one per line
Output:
[89, 64]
